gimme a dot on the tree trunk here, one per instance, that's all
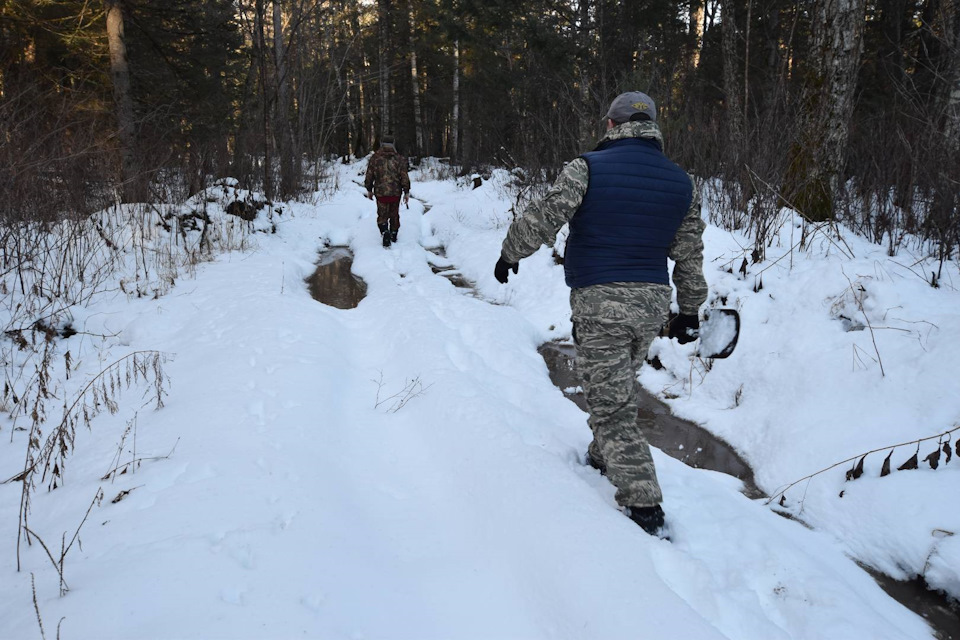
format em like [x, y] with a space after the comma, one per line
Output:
[944, 215]
[415, 82]
[950, 93]
[357, 78]
[697, 16]
[455, 124]
[745, 107]
[384, 49]
[838, 39]
[731, 88]
[261, 46]
[243, 151]
[818, 155]
[289, 158]
[587, 131]
[133, 187]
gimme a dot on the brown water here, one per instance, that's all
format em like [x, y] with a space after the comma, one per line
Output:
[333, 283]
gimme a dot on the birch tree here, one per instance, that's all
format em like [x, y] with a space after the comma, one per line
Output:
[819, 158]
[838, 44]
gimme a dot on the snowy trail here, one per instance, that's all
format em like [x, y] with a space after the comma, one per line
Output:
[294, 507]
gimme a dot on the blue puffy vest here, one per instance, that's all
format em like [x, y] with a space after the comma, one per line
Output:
[634, 204]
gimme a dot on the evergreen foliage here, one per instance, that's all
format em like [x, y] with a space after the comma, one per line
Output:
[215, 93]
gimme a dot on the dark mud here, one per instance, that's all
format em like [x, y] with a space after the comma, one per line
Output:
[686, 441]
[333, 283]
[450, 272]
[941, 613]
[694, 446]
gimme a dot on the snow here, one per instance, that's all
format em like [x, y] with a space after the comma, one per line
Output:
[406, 469]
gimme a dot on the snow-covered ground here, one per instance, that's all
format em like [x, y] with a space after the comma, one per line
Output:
[406, 469]
[843, 350]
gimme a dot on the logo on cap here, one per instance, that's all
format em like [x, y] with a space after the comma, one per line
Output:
[640, 106]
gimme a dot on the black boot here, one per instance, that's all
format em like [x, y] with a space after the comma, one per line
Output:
[385, 232]
[650, 519]
[393, 234]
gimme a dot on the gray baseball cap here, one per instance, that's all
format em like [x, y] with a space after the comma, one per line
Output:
[630, 103]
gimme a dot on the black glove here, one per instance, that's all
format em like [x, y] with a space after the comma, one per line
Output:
[684, 328]
[502, 271]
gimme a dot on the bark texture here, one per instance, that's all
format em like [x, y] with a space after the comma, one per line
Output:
[133, 188]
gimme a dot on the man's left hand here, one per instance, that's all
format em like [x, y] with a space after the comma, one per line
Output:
[369, 195]
[502, 271]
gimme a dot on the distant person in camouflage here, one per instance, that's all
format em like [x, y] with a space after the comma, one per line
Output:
[629, 209]
[387, 179]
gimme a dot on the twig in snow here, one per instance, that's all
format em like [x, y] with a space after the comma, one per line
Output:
[36, 606]
[873, 337]
[412, 389]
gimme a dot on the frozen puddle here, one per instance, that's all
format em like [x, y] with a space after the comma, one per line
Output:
[333, 283]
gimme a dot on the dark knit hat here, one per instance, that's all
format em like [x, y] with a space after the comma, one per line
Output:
[388, 141]
[626, 105]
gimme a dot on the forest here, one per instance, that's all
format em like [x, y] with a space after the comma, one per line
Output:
[140, 139]
[844, 110]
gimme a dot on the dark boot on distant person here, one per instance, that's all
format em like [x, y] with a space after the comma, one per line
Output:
[393, 235]
[385, 232]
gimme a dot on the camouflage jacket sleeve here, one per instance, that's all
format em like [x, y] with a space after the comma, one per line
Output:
[371, 171]
[404, 175]
[542, 219]
[687, 252]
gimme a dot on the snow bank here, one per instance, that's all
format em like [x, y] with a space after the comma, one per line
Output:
[804, 388]
[406, 469]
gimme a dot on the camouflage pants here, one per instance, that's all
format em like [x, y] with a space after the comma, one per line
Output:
[613, 328]
[388, 212]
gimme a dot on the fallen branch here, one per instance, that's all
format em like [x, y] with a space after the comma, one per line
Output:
[780, 492]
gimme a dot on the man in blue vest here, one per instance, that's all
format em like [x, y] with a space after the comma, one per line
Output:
[629, 208]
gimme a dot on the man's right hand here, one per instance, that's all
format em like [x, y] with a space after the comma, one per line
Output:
[502, 271]
[684, 328]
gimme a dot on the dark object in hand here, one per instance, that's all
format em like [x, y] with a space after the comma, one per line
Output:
[502, 271]
[684, 328]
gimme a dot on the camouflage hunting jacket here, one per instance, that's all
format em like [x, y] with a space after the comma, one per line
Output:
[387, 174]
[543, 219]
